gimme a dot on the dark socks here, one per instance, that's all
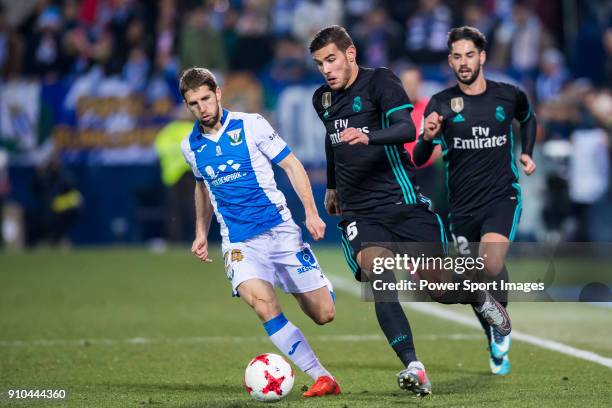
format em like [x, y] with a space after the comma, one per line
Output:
[394, 324]
[393, 321]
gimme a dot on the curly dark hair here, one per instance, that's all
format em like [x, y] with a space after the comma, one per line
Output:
[467, 33]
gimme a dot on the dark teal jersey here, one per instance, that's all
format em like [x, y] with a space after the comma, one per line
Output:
[366, 176]
[478, 144]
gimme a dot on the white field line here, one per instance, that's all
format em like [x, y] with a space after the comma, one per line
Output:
[441, 312]
[344, 338]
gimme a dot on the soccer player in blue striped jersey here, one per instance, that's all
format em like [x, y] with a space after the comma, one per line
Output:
[231, 155]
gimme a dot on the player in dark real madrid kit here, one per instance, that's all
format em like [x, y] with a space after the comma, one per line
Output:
[473, 122]
[366, 113]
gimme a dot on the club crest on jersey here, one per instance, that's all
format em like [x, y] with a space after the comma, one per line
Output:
[235, 137]
[357, 104]
[500, 114]
[457, 104]
[326, 100]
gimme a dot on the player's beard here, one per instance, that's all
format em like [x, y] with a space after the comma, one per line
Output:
[347, 76]
[471, 79]
[213, 121]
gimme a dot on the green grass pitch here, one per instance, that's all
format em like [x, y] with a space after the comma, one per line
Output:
[132, 328]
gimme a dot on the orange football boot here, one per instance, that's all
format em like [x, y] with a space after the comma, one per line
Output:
[323, 386]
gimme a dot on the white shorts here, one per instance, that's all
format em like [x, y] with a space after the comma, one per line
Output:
[278, 256]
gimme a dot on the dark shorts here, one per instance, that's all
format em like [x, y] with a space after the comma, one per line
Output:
[501, 217]
[389, 227]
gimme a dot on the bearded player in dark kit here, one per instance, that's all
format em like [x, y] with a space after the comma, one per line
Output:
[473, 122]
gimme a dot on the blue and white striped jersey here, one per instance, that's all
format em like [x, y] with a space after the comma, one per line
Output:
[235, 165]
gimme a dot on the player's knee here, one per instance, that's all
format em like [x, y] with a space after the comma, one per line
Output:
[325, 315]
[493, 266]
[369, 259]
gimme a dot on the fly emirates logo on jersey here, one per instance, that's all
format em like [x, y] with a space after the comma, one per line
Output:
[481, 140]
[339, 126]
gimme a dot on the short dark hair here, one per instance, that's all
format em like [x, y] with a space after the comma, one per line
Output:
[195, 77]
[467, 33]
[331, 35]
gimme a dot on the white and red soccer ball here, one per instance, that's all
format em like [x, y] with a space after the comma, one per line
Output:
[268, 378]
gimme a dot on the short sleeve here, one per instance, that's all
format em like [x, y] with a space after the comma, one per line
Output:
[388, 93]
[268, 140]
[522, 112]
[189, 156]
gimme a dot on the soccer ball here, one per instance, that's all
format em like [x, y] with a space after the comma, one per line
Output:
[268, 378]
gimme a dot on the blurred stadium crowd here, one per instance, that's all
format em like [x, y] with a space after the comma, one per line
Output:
[89, 104]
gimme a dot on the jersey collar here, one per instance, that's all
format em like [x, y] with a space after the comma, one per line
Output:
[215, 137]
[487, 86]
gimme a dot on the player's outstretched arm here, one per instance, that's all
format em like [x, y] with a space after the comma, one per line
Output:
[529, 129]
[204, 211]
[301, 184]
